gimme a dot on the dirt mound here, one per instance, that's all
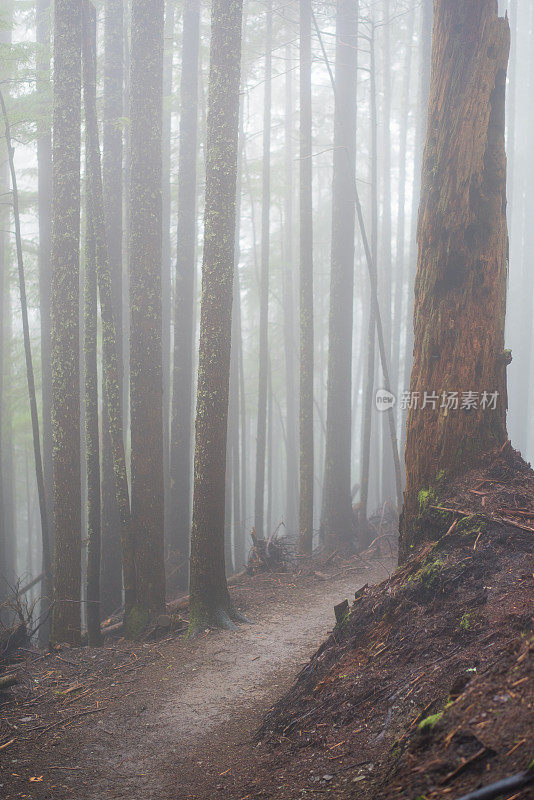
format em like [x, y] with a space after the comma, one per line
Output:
[425, 689]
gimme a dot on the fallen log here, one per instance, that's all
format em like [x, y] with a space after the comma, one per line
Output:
[6, 681]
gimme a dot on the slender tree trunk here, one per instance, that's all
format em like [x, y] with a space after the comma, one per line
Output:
[170, 22]
[367, 418]
[209, 597]
[228, 509]
[238, 379]
[112, 152]
[306, 465]
[400, 259]
[289, 315]
[92, 431]
[145, 245]
[263, 350]
[525, 304]
[233, 505]
[182, 398]
[385, 261]
[110, 343]
[269, 452]
[10, 506]
[65, 320]
[511, 108]
[420, 133]
[463, 250]
[44, 202]
[6, 555]
[337, 507]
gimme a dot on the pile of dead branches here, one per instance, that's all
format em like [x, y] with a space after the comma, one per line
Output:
[275, 554]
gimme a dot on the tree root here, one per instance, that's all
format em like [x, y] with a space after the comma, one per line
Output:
[224, 617]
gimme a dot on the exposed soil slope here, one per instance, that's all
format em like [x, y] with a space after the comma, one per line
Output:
[426, 689]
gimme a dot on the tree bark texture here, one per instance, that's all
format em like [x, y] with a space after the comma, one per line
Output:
[112, 152]
[337, 506]
[65, 330]
[145, 247]
[306, 455]
[90, 331]
[263, 349]
[209, 597]
[460, 290]
[182, 395]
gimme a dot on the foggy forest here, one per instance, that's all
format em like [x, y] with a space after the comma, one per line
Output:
[266, 367]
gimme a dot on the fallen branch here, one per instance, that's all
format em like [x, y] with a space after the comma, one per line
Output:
[504, 787]
[7, 744]
[480, 754]
[31, 584]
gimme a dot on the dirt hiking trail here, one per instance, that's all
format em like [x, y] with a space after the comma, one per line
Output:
[172, 727]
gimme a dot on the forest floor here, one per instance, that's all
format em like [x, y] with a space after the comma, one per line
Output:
[171, 718]
[424, 690]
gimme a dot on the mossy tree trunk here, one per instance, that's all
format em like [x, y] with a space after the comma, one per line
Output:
[337, 518]
[182, 394]
[460, 290]
[306, 458]
[92, 430]
[44, 202]
[145, 248]
[112, 156]
[65, 319]
[209, 597]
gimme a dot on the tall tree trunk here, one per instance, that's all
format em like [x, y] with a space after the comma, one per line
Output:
[400, 259]
[146, 389]
[525, 303]
[263, 350]
[92, 430]
[44, 202]
[170, 21]
[269, 451]
[112, 152]
[337, 506]
[289, 315]
[210, 601]
[182, 396]
[420, 134]
[65, 320]
[463, 249]
[110, 343]
[306, 461]
[233, 500]
[7, 571]
[367, 416]
[385, 268]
